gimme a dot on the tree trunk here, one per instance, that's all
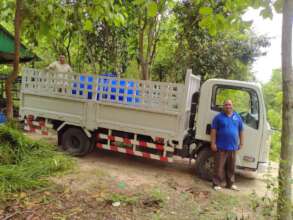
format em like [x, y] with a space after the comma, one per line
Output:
[91, 56]
[145, 70]
[142, 22]
[12, 77]
[285, 165]
[148, 37]
[68, 48]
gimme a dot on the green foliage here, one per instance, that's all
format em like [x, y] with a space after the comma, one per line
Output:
[240, 99]
[24, 164]
[273, 96]
[265, 205]
[52, 27]
[227, 14]
[158, 196]
[152, 9]
[275, 146]
[119, 197]
[132, 70]
[103, 36]
[225, 55]
[14, 146]
[205, 11]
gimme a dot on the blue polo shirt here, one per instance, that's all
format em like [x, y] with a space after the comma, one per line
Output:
[228, 129]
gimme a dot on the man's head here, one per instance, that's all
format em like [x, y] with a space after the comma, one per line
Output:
[62, 59]
[228, 106]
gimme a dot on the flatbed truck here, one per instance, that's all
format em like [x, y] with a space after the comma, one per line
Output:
[155, 120]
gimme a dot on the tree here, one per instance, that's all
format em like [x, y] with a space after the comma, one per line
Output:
[284, 206]
[286, 157]
[97, 23]
[12, 77]
[150, 16]
[70, 27]
[222, 54]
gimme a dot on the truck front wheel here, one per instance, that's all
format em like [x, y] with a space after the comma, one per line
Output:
[204, 165]
[75, 142]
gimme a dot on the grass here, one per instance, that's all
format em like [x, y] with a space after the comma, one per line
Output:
[119, 197]
[26, 164]
[158, 196]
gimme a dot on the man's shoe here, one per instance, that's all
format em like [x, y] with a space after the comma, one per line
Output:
[217, 188]
[234, 187]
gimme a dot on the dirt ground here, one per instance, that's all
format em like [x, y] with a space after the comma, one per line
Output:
[108, 185]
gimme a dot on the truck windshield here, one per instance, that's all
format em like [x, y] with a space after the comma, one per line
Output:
[245, 103]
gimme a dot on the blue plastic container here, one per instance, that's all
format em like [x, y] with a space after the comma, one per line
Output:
[109, 74]
[2, 118]
[85, 87]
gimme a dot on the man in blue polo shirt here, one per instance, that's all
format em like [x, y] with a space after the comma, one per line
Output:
[226, 139]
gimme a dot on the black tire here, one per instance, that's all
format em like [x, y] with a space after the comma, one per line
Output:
[204, 165]
[75, 142]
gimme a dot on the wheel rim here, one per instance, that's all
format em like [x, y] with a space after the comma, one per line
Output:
[209, 165]
[75, 142]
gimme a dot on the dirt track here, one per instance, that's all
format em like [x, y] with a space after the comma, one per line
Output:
[136, 171]
[108, 185]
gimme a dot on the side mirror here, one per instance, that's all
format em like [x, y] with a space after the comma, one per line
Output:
[218, 108]
[275, 129]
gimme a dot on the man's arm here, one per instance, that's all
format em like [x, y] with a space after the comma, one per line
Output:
[51, 66]
[241, 134]
[241, 139]
[213, 139]
[69, 68]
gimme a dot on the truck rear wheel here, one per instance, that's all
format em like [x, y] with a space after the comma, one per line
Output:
[204, 165]
[75, 142]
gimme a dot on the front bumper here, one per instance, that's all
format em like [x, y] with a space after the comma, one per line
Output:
[262, 167]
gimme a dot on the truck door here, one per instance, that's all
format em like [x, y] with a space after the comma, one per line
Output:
[246, 102]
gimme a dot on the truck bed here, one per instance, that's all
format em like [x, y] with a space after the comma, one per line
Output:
[151, 108]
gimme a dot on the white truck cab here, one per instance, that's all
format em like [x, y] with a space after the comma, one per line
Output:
[155, 120]
[249, 104]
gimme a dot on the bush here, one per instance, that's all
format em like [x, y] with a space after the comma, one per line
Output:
[275, 146]
[25, 164]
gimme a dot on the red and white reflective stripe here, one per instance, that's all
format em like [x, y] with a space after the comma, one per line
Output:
[36, 123]
[160, 147]
[28, 128]
[42, 132]
[35, 126]
[132, 152]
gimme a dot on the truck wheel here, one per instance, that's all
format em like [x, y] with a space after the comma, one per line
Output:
[75, 142]
[204, 165]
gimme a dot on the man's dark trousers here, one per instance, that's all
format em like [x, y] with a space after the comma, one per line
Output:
[224, 168]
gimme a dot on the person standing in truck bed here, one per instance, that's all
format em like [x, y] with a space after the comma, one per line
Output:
[59, 80]
[226, 139]
[60, 65]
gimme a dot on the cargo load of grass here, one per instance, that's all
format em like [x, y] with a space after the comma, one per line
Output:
[26, 164]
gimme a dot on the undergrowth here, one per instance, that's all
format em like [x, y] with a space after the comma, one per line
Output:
[25, 164]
